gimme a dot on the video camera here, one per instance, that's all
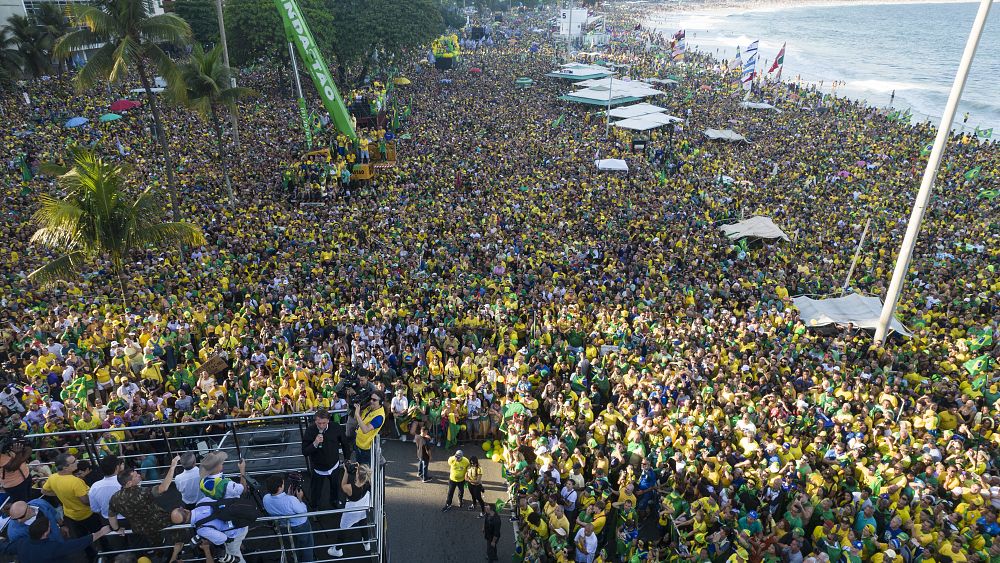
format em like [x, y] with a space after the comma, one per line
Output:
[293, 482]
[359, 394]
[13, 441]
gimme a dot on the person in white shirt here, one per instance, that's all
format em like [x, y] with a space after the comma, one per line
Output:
[101, 492]
[189, 482]
[568, 494]
[399, 406]
[586, 544]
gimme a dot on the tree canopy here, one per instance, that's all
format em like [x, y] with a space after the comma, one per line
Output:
[201, 16]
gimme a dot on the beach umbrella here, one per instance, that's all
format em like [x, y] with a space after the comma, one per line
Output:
[76, 122]
[124, 105]
[475, 70]
[401, 81]
[445, 81]
[110, 117]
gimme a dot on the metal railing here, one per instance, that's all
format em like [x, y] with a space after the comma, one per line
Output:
[270, 446]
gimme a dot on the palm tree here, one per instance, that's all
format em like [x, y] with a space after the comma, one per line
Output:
[52, 24]
[10, 58]
[208, 89]
[28, 38]
[96, 219]
[130, 38]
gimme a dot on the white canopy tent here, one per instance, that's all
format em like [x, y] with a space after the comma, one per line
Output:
[758, 105]
[663, 81]
[756, 227]
[579, 70]
[615, 164]
[860, 310]
[724, 134]
[603, 96]
[646, 122]
[635, 110]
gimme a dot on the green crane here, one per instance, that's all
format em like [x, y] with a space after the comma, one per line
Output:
[298, 34]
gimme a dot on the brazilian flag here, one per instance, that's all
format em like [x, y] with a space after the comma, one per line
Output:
[980, 338]
[974, 173]
[988, 194]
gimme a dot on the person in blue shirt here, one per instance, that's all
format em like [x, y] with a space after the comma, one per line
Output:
[23, 515]
[39, 547]
[279, 503]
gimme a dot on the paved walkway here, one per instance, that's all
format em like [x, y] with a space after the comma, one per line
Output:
[418, 531]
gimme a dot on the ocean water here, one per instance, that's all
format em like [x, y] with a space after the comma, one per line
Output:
[875, 49]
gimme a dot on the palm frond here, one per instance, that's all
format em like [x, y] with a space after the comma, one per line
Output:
[180, 232]
[168, 69]
[61, 268]
[165, 28]
[97, 68]
[100, 22]
[127, 53]
[58, 221]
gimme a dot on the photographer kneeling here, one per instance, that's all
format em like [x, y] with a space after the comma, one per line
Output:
[356, 486]
[279, 503]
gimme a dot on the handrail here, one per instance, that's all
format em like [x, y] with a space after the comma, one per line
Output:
[185, 424]
[280, 538]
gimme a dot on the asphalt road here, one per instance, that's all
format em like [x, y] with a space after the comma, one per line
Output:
[418, 531]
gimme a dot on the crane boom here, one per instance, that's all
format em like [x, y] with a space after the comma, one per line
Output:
[298, 33]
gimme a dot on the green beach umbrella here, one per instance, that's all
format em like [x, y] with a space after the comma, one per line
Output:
[110, 117]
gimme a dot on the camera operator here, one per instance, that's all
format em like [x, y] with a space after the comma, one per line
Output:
[355, 484]
[15, 477]
[323, 444]
[279, 503]
[370, 419]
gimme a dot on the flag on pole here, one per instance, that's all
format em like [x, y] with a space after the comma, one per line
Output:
[779, 60]
[678, 53]
[559, 121]
[984, 133]
[738, 62]
[750, 65]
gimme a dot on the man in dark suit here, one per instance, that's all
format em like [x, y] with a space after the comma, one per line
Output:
[323, 444]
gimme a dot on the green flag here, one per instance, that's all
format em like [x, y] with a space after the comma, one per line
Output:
[984, 133]
[304, 112]
[976, 366]
[988, 194]
[927, 150]
[974, 173]
[980, 338]
[558, 121]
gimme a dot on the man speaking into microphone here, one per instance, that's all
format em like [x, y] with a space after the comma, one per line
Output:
[323, 443]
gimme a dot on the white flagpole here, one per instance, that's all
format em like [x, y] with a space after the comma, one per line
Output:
[930, 173]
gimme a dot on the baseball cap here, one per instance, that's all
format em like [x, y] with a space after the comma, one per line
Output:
[459, 453]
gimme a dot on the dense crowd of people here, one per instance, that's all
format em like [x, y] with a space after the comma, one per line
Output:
[647, 385]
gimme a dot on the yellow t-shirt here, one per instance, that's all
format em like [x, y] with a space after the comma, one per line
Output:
[458, 469]
[69, 489]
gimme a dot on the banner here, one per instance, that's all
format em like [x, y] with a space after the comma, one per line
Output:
[298, 33]
[305, 123]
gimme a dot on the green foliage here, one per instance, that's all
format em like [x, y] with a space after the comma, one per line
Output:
[254, 29]
[386, 28]
[34, 60]
[201, 16]
[452, 16]
[97, 220]
[10, 58]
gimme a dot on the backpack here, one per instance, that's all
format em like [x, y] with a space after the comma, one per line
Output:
[242, 512]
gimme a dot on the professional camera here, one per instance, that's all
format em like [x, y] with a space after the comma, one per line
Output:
[356, 393]
[13, 441]
[293, 482]
[351, 467]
